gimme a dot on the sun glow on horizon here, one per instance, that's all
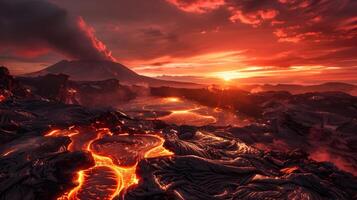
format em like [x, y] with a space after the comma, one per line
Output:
[228, 75]
[227, 67]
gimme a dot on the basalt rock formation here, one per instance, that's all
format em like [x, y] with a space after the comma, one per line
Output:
[58, 87]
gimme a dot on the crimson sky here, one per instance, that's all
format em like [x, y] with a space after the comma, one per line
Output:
[253, 41]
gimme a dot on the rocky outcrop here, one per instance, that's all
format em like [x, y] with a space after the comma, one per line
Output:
[211, 166]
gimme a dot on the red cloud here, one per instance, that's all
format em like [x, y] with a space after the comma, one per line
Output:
[31, 53]
[237, 13]
[197, 6]
[254, 18]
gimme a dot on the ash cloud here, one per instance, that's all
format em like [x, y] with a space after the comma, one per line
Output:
[37, 23]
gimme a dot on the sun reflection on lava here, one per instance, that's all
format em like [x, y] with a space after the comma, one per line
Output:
[124, 176]
[189, 116]
[172, 99]
[180, 111]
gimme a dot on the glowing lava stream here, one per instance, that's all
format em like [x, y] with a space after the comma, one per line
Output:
[125, 176]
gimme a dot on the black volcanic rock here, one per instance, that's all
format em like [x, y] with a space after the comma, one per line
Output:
[10, 86]
[101, 93]
[186, 132]
[50, 86]
[57, 87]
[38, 168]
[243, 173]
[300, 89]
[6, 80]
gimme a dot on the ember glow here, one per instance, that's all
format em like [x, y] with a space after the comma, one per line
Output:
[111, 173]
[2, 98]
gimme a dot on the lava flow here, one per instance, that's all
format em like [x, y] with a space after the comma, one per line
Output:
[115, 157]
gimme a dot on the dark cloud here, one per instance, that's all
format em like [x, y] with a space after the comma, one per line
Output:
[121, 25]
[37, 24]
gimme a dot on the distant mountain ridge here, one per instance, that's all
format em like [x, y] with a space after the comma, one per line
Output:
[83, 70]
[299, 89]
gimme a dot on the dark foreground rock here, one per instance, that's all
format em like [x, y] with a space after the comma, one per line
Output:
[213, 167]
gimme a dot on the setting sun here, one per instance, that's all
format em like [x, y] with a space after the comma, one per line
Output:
[228, 76]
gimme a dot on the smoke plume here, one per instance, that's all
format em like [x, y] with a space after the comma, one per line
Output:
[37, 23]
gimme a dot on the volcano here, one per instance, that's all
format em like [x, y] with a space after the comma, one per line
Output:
[84, 70]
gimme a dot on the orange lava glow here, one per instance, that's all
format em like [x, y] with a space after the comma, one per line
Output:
[71, 91]
[2, 98]
[120, 177]
[289, 170]
[172, 99]
[8, 152]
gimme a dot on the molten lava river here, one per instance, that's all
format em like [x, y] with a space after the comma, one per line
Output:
[173, 110]
[115, 157]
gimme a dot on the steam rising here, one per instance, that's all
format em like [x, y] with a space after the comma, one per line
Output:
[42, 24]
